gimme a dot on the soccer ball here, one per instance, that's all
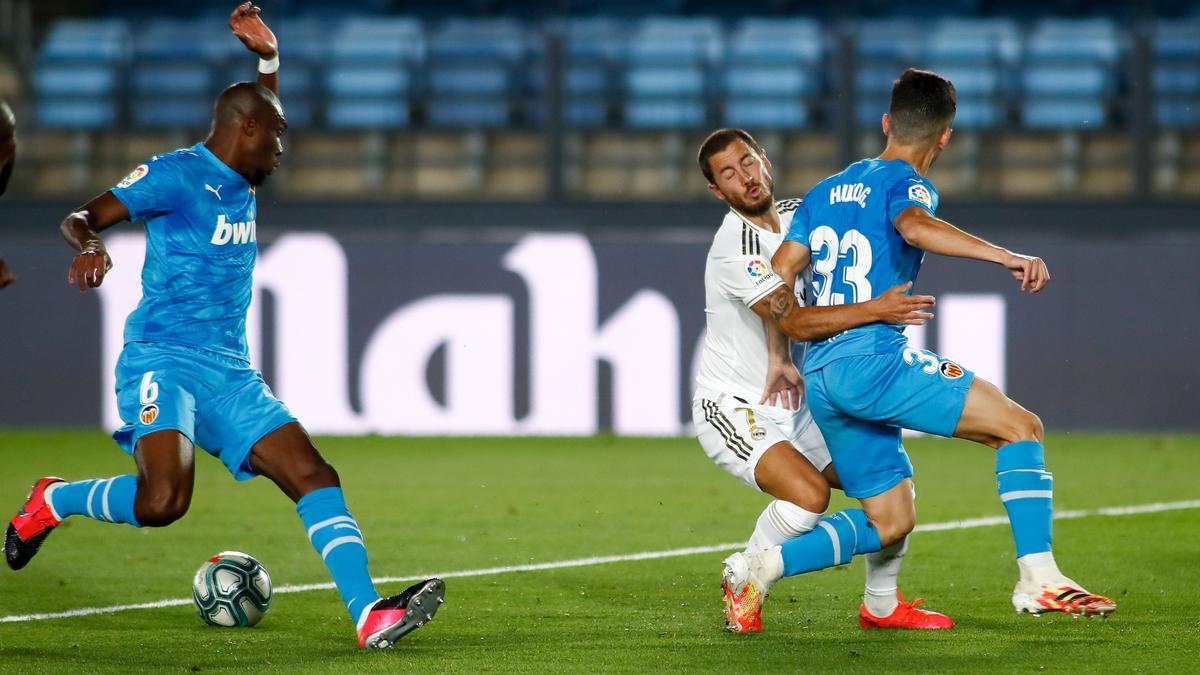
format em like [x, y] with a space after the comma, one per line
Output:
[231, 589]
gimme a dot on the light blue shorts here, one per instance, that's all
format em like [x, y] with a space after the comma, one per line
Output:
[219, 402]
[861, 403]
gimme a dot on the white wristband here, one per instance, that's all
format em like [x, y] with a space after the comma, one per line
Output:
[267, 67]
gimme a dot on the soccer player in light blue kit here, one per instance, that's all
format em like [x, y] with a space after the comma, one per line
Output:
[184, 376]
[867, 228]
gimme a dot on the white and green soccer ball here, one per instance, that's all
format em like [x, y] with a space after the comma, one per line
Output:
[232, 589]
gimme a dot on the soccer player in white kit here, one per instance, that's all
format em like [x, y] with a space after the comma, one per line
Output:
[764, 435]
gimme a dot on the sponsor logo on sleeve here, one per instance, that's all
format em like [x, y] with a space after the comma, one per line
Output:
[920, 194]
[134, 176]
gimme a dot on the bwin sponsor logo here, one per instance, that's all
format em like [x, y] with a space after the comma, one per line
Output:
[238, 233]
[850, 192]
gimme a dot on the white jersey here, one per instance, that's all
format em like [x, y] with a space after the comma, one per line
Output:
[737, 275]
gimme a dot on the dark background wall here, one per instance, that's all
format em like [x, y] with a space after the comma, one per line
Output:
[1108, 346]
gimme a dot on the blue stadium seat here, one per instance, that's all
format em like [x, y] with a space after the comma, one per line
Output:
[1069, 73]
[96, 41]
[770, 72]
[75, 113]
[1176, 70]
[675, 40]
[472, 72]
[180, 78]
[371, 72]
[766, 113]
[358, 114]
[1063, 114]
[155, 112]
[492, 113]
[1073, 40]
[665, 113]
[178, 40]
[366, 80]
[75, 80]
[667, 61]
[378, 40]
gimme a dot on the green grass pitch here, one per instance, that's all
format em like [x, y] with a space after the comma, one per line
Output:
[440, 505]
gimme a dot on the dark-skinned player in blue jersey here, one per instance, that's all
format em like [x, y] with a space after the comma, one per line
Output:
[184, 377]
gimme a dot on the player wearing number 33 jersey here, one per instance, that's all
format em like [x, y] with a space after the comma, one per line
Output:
[868, 228]
[854, 252]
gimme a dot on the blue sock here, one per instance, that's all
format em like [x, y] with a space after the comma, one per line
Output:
[106, 499]
[834, 541]
[336, 537]
[1027, 490]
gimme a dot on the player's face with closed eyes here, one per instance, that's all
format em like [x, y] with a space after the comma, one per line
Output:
[743, 178]
[268, 145]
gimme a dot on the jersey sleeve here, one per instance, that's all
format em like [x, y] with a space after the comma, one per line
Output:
[149, 190]
[747, 278]
[911, 191]
[801, 224]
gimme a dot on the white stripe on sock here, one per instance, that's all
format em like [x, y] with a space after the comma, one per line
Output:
[1026, 494]
[328, 522]
[837, 543]
[104, 500]
[853, 529]
[90, 512]
[338, 542]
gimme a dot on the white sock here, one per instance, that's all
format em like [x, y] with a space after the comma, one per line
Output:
[50, 502]
[767, 565]
[883, 569]
[1040, 568]
[780, 522]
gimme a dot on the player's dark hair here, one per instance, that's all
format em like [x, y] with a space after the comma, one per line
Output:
[718, 141]
[923, 106]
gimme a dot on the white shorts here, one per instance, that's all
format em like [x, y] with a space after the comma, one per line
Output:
[735, 434]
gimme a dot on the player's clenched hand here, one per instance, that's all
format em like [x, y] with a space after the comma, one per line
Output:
[897, 307]
[784, 386]
[88, 268]
[6, 275]
[1030, 271]
[248, 26]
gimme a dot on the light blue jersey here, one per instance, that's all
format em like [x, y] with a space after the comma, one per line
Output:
[185, 366]
[857, 254]
[866, 384]
[201, 247]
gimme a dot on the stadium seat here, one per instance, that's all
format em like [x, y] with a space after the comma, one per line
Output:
[471, 72]
[667, 61]
[370, 76]
[77, 74]
[75, 113]
[1176, 68]
[1069, 73]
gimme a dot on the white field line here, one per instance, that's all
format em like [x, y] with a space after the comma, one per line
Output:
[607, 559]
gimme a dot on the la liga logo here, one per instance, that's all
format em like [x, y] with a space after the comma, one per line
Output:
[756, 269]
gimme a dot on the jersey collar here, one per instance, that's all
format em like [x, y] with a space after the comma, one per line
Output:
[224, 169]
[782, 229]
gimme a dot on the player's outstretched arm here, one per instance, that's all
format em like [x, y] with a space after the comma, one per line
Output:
[247, 24]
[932, 234]
[82, 230]
[817, 323]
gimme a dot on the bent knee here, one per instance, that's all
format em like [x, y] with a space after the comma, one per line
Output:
[316, 475]
[810, 495]
[161, 510]
[895, 528]
[1021, 425]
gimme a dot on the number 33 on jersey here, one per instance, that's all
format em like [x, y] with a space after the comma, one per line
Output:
[846, 221]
